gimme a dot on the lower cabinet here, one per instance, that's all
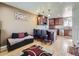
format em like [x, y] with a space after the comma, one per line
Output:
[67, 32]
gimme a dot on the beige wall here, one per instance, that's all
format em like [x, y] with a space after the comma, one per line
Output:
[10, 24]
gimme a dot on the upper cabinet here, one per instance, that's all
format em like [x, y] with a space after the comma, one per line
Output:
[58, 21]
[55, 22]
[51, 23]
[41, 20]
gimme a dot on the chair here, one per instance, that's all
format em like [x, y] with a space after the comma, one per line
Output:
[35, 33]
[50, 37]
[43, 33]
[39, 33]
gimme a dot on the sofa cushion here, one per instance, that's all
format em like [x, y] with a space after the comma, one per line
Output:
[25, 34]
[13, 41]
[14, 35]
[21, 35]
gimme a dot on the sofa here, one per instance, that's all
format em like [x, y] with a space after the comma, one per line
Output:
[18, 40]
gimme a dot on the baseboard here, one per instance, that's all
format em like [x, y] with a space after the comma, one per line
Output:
[3, 48]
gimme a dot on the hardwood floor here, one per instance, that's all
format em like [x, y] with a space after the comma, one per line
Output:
[58, 48]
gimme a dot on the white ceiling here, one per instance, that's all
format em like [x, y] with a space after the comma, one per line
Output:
[56, 8]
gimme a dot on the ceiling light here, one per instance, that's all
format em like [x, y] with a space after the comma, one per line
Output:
[38, 10]
[43, 12]
[49, 15]
[48, 10]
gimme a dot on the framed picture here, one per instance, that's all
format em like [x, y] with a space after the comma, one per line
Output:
[41, 20]
[19, 16]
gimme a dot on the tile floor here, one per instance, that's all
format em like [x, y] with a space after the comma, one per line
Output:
[58, 48]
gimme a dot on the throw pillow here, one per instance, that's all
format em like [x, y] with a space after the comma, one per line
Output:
[14, 35]
[21, 35]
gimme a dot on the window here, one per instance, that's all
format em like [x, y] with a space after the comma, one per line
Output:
[68, 21]
[68, 16]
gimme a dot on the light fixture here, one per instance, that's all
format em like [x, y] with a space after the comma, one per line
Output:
[48, 15]
[38, 10]
[48, 12]
[43, 12]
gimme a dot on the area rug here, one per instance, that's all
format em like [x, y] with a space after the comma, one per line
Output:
[35, 51]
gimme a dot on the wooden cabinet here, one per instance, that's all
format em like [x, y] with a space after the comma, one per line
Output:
[67, 32]
[57, 31]
[41, 20]
[55, 22]
[51, 23]
[58, 21]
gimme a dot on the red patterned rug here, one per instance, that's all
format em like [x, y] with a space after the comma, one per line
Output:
[35, 51]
